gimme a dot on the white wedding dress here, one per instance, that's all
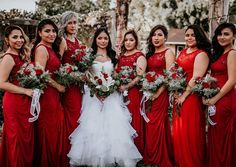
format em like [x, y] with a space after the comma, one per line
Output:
[104, 135]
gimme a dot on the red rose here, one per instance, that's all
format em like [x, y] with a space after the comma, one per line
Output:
[26, 72]
[174, 75]
[117, 70]
[206, 85]
[132, 76]
[82, 47]
[96, 77]
[39, 72]
[99, 81]
[80, 55]
[150, 78]
[123, 76]
[69, 70]
[105, 75]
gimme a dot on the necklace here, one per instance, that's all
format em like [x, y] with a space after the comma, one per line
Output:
[102, 55]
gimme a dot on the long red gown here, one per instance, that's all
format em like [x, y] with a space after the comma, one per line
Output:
[71, 100]
[18, 133]
[158, 148]
[49, 126]
[189, 134]
[134, 96]
[221, 136]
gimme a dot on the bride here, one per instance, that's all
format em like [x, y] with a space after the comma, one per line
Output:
[104, 136]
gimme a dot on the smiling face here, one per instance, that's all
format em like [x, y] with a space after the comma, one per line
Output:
[71, 27]
[102, 40]
[158, 38]
[48, 34]
[15, 39]
[130, 42]
[226, 37]
[190, 38]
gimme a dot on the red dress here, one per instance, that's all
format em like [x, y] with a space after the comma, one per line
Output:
[71, 100]
[49, 126]
[158, 145]
[189, 134]
[18, 133]
[134, 95]
[221, 136]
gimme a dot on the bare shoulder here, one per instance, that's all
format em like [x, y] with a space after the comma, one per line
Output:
[41, 50]
[7, 59]
[202, 55]
[232, 53]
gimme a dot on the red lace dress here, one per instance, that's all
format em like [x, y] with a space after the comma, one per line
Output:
[134, 95]
[71, 99]
[221, 135]
[158, 144]
[189, 134]
[49, 126]
[18, 133]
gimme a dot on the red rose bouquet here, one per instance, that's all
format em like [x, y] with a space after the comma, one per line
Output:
[102, 85]
[83, 58]
[32, 76]
[124, 74]
[150, 83]
[206, 86]
[176, 83]
[175, 78]
[68, 74]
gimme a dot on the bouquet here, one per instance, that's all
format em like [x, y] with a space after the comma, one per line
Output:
[124, 74]
[207, 88]
[34, 77]
[83, 58]
[150, 83]
[68, 74]
[176, 83]
[175, 78]
[102, 85]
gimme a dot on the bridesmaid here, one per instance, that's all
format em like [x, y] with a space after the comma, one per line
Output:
[49, 127]
[18, 133]
[189, 134]
[72, 98]
[221, 136]
[158, 145]
[131, 56]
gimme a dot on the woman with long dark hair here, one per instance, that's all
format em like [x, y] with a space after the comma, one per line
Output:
[49, 126]
[158, 145]
[221, 136]
[16, 149]
[189, 134]
[134, 58]
[104, 136]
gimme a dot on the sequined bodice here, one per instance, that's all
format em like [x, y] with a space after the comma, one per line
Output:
[129, 60]
[71, 47]
[157, 62]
